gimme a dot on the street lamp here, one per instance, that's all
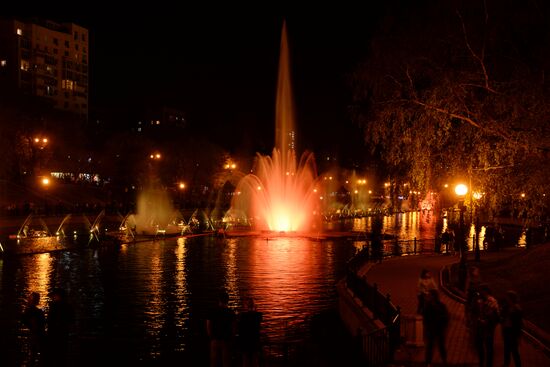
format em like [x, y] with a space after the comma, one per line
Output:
[461, 190]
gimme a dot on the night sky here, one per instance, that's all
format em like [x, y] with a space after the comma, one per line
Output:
[222, 71]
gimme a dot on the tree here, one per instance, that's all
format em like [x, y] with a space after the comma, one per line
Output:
[459, 90]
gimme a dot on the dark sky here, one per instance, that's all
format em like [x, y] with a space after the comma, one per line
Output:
[222, 71]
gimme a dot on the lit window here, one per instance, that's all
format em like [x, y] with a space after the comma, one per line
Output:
[3, 63]
[139, 129]
[19, 32]
[24, 65]
[67, 84]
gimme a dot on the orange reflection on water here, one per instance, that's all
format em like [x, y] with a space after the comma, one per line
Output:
[231, 277]
[39, 280]
[181, 283]
[281, 272]
[155, 302]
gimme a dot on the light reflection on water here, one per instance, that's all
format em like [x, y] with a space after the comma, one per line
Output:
[147, 300]
[287, 276]
[151, 299]
[406, 226]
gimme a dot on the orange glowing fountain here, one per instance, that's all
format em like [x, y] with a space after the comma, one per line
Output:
[280, 194]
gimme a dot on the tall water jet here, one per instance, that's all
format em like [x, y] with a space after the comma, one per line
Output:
[280, 194]
[285, 134]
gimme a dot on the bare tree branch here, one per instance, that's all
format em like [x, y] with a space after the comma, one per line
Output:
[480, 59]
[474, 123]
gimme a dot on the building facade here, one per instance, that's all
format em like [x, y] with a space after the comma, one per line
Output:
[46, 59]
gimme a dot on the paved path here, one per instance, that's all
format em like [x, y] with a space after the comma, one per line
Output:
[398, 277]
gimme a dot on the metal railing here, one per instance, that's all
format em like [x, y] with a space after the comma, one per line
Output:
[376, 347]
[384, 340]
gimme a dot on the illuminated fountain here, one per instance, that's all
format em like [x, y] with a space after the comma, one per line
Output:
[280, 194]
[155, 214]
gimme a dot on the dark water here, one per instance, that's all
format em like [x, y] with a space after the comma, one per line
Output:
[146, 303]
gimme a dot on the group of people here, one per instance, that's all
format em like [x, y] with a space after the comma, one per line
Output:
[48, 333]
[226, 329]
[482, 314]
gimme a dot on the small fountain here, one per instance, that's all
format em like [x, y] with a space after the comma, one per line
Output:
[280, 195]
[34, 237]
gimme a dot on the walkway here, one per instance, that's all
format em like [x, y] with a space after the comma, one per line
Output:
[398, 277]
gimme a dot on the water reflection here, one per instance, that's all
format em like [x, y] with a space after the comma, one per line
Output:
[290, 279]
[181, 293]
[39, 279]
[231, 272]
[405, 226]
[154, 301]
[150, 299]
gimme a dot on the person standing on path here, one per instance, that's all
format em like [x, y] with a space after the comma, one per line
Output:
[436, 320]
[488, 316]
[426, 283]
[473, 282]
[512, 320]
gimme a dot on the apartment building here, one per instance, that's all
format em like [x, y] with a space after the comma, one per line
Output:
[46, 59]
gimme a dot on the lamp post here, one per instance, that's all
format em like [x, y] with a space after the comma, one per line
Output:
[461, 190]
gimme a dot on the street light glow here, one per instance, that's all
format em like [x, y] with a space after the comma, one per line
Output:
[461, 189]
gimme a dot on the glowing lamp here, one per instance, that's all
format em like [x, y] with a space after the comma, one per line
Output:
[461, 189]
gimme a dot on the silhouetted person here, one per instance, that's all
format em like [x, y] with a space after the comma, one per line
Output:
[34, 320]
[445, 240]
[473, 282]
[425, 284]
[488, 315]
[60, 320]
[436, 320]
[512, 320]
[220, 327]
[249, 333]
